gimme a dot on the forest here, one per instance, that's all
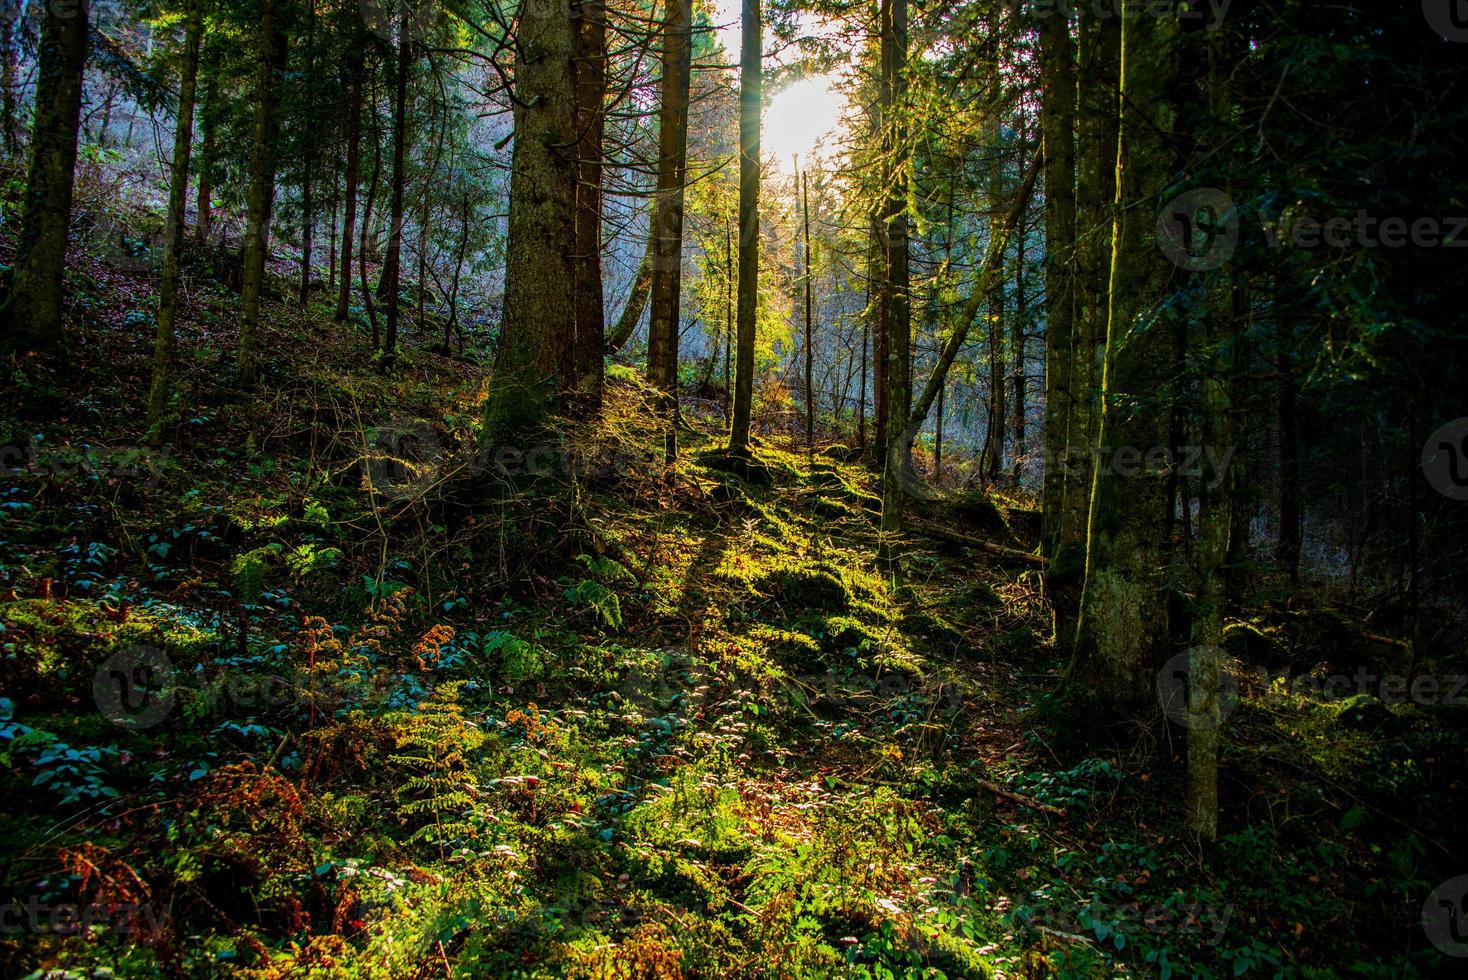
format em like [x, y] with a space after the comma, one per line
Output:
[656, 489]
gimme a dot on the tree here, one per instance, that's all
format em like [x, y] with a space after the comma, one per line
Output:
[751, 83]
[589, 83]
[1122, 636]
[173, 230]
[31, 315]
[392, 267]
[667, 275]
[894, 238]
[270, 53]
[1057, 121]
[539, 309]
[356, 69]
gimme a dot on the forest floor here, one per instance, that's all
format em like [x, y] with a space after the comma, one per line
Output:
[318, 689]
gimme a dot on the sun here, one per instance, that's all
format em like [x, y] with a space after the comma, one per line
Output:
[801, 121]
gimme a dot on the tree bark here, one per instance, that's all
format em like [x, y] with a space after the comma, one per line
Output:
[589, 82]
[261, 194]
[173, 232]
[392, 267]
[667, 276]
[1122, 636]
[899, 346]
[356, 66]
[751, 85]
[207, 152]
[32, 315]
[539, 309]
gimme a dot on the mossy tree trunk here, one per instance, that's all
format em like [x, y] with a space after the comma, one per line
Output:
[1098, 61]
[1057, 122]
[667, 275]
[895, 239]
[539, 309]
[1122, 636]
[260, 197]
[641, 289]
[173, 231]
[589, 82]
[751, 85]
[32, 315]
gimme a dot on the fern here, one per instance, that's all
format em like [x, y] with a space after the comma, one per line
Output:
[438, 795]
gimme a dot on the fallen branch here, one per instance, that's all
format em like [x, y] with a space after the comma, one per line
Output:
[1014, 797]
[969, 541]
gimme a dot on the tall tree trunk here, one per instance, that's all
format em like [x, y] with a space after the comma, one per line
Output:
[1017, 347]
[1291, 514]
[751, 85]
[1057, 123]
[261, 194]
[667, 276]
[356, 66]
[392, 267]
[641, 290]
[10, 84]
[899, 347]
[994, 436]
[1098, 63]
[173, 231]
[308, 213]
[1122, 637]
[331, 239]
[810, 389]
[589, 81]
[209, 119]
[539, 309]
[364, 242]
[32, 315]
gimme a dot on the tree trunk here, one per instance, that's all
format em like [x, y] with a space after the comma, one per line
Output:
[1122, 637]
[667, 276]
[1057, 123]
[589, 82]
[173, 232]
[261, 194]
[994, 437]
[1098, 62]
[363, 242]
[751, 85]
[308, 213]
[539, 308]
[899, 347]
[1287, 546]
[10, 84]
[355, 67]
[810, 390]
[641, 290]
[207, 153]
[392, 267]
[32, 316]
